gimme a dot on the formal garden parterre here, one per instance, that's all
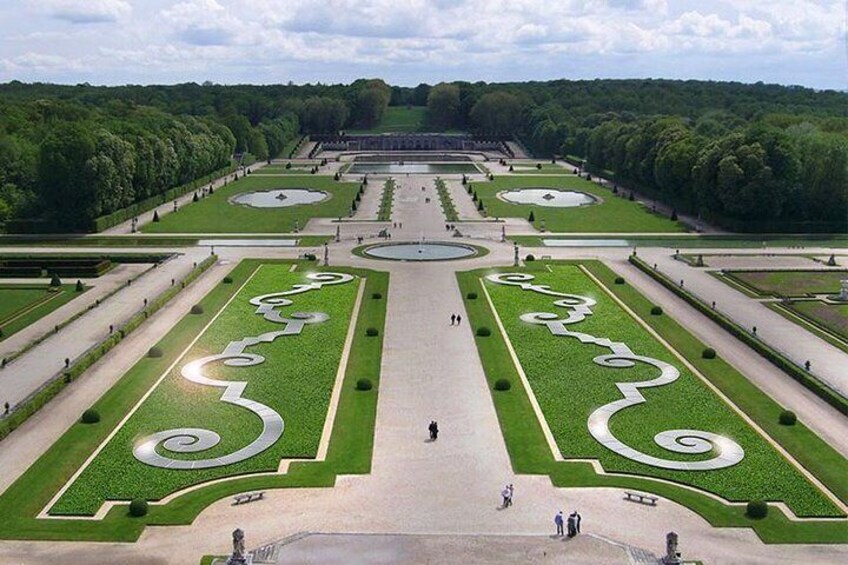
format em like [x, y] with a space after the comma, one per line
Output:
[569, 384]
[296, 380]
[611, 213]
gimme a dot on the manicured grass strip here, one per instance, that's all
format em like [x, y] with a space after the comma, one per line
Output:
[21, 306]
[569, 385]
[386, 199]
[611, 215]
[776, 358]
[215, 214]
[699, 241]
[790, 283]
[398, 119]
[349, 452]
[530, 454]
[828, 321]
[448, 209]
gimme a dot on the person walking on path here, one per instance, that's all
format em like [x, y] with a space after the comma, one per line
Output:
[505, 496]
[453, 319]
[577, 519]
[559, 521]
[511, 492]
[458, 319]
[434, 430]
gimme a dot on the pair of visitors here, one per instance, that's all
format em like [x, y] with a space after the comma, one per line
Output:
[574, 524]
[434, 430]
[456, 319]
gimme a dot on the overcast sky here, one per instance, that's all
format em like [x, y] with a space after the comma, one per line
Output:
[411, 41]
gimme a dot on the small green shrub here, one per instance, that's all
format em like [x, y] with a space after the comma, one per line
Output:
[156, 216]
[154, 352]
[471, 296]
[656, 311]
[79, 287]
[756, 509]
[197, 309]
[90, 416]
[532, 217]
[138, 508]
[55, 281]
[483, 331]
[372, 332]
[377, 296]
[787, 418]
[708, 353]
[364, 384]
[619, 280]
[503, 384]
[530, 257]
[228, 280]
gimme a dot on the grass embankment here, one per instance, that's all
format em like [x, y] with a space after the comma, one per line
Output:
[215, 214]
[349, 451]
[611, 214]
[397, 119]
[529, 451]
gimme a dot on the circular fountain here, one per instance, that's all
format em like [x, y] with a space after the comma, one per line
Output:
[419, 251]
[279, 198]
[548, 197]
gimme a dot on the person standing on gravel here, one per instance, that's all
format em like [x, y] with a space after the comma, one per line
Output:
[558, 520]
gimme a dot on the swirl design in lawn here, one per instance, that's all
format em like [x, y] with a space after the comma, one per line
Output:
[196, 440]
[728, 452]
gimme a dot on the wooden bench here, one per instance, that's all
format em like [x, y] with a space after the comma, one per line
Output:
[643, 498]
[248, 497]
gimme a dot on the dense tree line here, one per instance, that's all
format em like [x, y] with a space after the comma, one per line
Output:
[745, 156]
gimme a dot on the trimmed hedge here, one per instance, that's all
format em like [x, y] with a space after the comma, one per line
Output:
[787, 418]
[228, 280]
[656, 311]
[619, 280]
[756, 509]
[197, 309]
[471, 296]
[154, 352]
[372, 332]
[138, 508]
[503, 384]
[483, 331]
[778, 360]
[364, 384]
[708, 353]
[377, 296]
[90, 416]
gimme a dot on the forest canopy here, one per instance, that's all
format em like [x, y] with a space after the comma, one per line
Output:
[750, 157]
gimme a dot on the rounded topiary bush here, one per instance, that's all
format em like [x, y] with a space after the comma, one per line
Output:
[372, 332]
[756, 509]
[154, 352]
[138, 508]
[619, 280]
[656, 311]
[530, 257]
[80, 287]
[483, 331]
[364, 384]
[90, 416]
[503, 384]
[708, 353]
[228, 280]
[788, 418]
[471, 296]
[377, 296]
[197, 309]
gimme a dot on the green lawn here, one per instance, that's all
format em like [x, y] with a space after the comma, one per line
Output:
[349, 450]
[611, 215]
[834, 317]
[22, 305]
[295, 380]
[699, 241]
[215, 214]
[399, 119]
[790, 283]
[531, 168]
[530, 454]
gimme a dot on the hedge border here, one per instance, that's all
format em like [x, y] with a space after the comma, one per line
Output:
[770, 354]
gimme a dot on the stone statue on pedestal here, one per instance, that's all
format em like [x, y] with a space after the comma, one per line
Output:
[238, 557]
[672, 556]
[503, 233]
[326, 255]
[338, 233]
[516, 254]
[843, 295]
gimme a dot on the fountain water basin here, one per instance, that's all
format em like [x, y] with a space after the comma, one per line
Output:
[279, 198]
[548, 197]
[419, 251]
